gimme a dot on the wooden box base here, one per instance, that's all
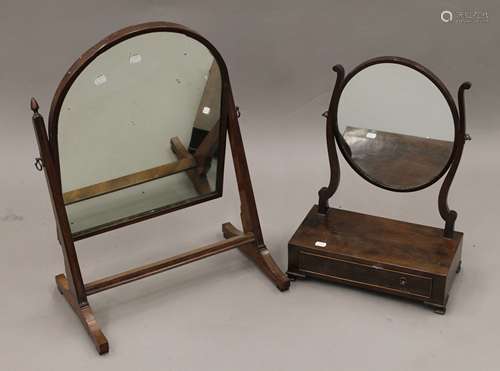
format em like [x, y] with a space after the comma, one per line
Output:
[379, 254]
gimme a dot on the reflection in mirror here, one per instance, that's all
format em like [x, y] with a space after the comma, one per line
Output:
[139, 129]
[396, 126]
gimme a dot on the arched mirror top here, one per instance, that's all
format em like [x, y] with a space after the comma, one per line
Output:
[138, 125]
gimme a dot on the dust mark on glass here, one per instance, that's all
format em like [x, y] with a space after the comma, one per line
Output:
[11, 216]
[135, 58]
[99, 80]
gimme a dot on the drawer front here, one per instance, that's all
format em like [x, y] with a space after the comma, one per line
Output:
[369, 276]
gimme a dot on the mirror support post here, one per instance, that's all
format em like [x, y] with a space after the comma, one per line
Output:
[257, 251]
[63, 230]
[448, 215]
[326, 192]
[70, 285]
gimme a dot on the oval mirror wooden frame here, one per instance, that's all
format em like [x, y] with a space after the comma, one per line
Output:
[441, 87]
[333, 134]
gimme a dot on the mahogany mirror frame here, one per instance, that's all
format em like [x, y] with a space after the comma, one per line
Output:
[388, 256]
[333, 134]
[249, 240]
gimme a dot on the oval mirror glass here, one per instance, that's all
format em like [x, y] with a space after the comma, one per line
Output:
[395, 127]
[139, 131]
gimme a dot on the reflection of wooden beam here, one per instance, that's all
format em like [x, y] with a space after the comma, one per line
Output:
[130, 180]
[208, 113]
[207, 148]
[199, 181]
[210, 99]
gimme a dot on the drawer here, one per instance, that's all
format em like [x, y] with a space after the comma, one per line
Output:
[370, 276]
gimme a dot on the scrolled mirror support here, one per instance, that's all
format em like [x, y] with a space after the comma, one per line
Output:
[331, 124]
[450, 216]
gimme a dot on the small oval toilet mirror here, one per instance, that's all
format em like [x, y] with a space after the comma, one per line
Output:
[395, 126]
[138, 130]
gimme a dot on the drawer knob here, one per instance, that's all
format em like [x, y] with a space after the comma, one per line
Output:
[403, 281]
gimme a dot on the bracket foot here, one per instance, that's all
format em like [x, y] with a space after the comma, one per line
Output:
[438, 308]
[85, 314]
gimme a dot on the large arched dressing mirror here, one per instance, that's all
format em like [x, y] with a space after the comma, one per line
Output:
[397, 126]
[137, 129]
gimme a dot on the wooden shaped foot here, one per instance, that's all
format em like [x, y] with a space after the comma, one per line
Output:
[260, 256]
[438, 308]
[85, 314]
